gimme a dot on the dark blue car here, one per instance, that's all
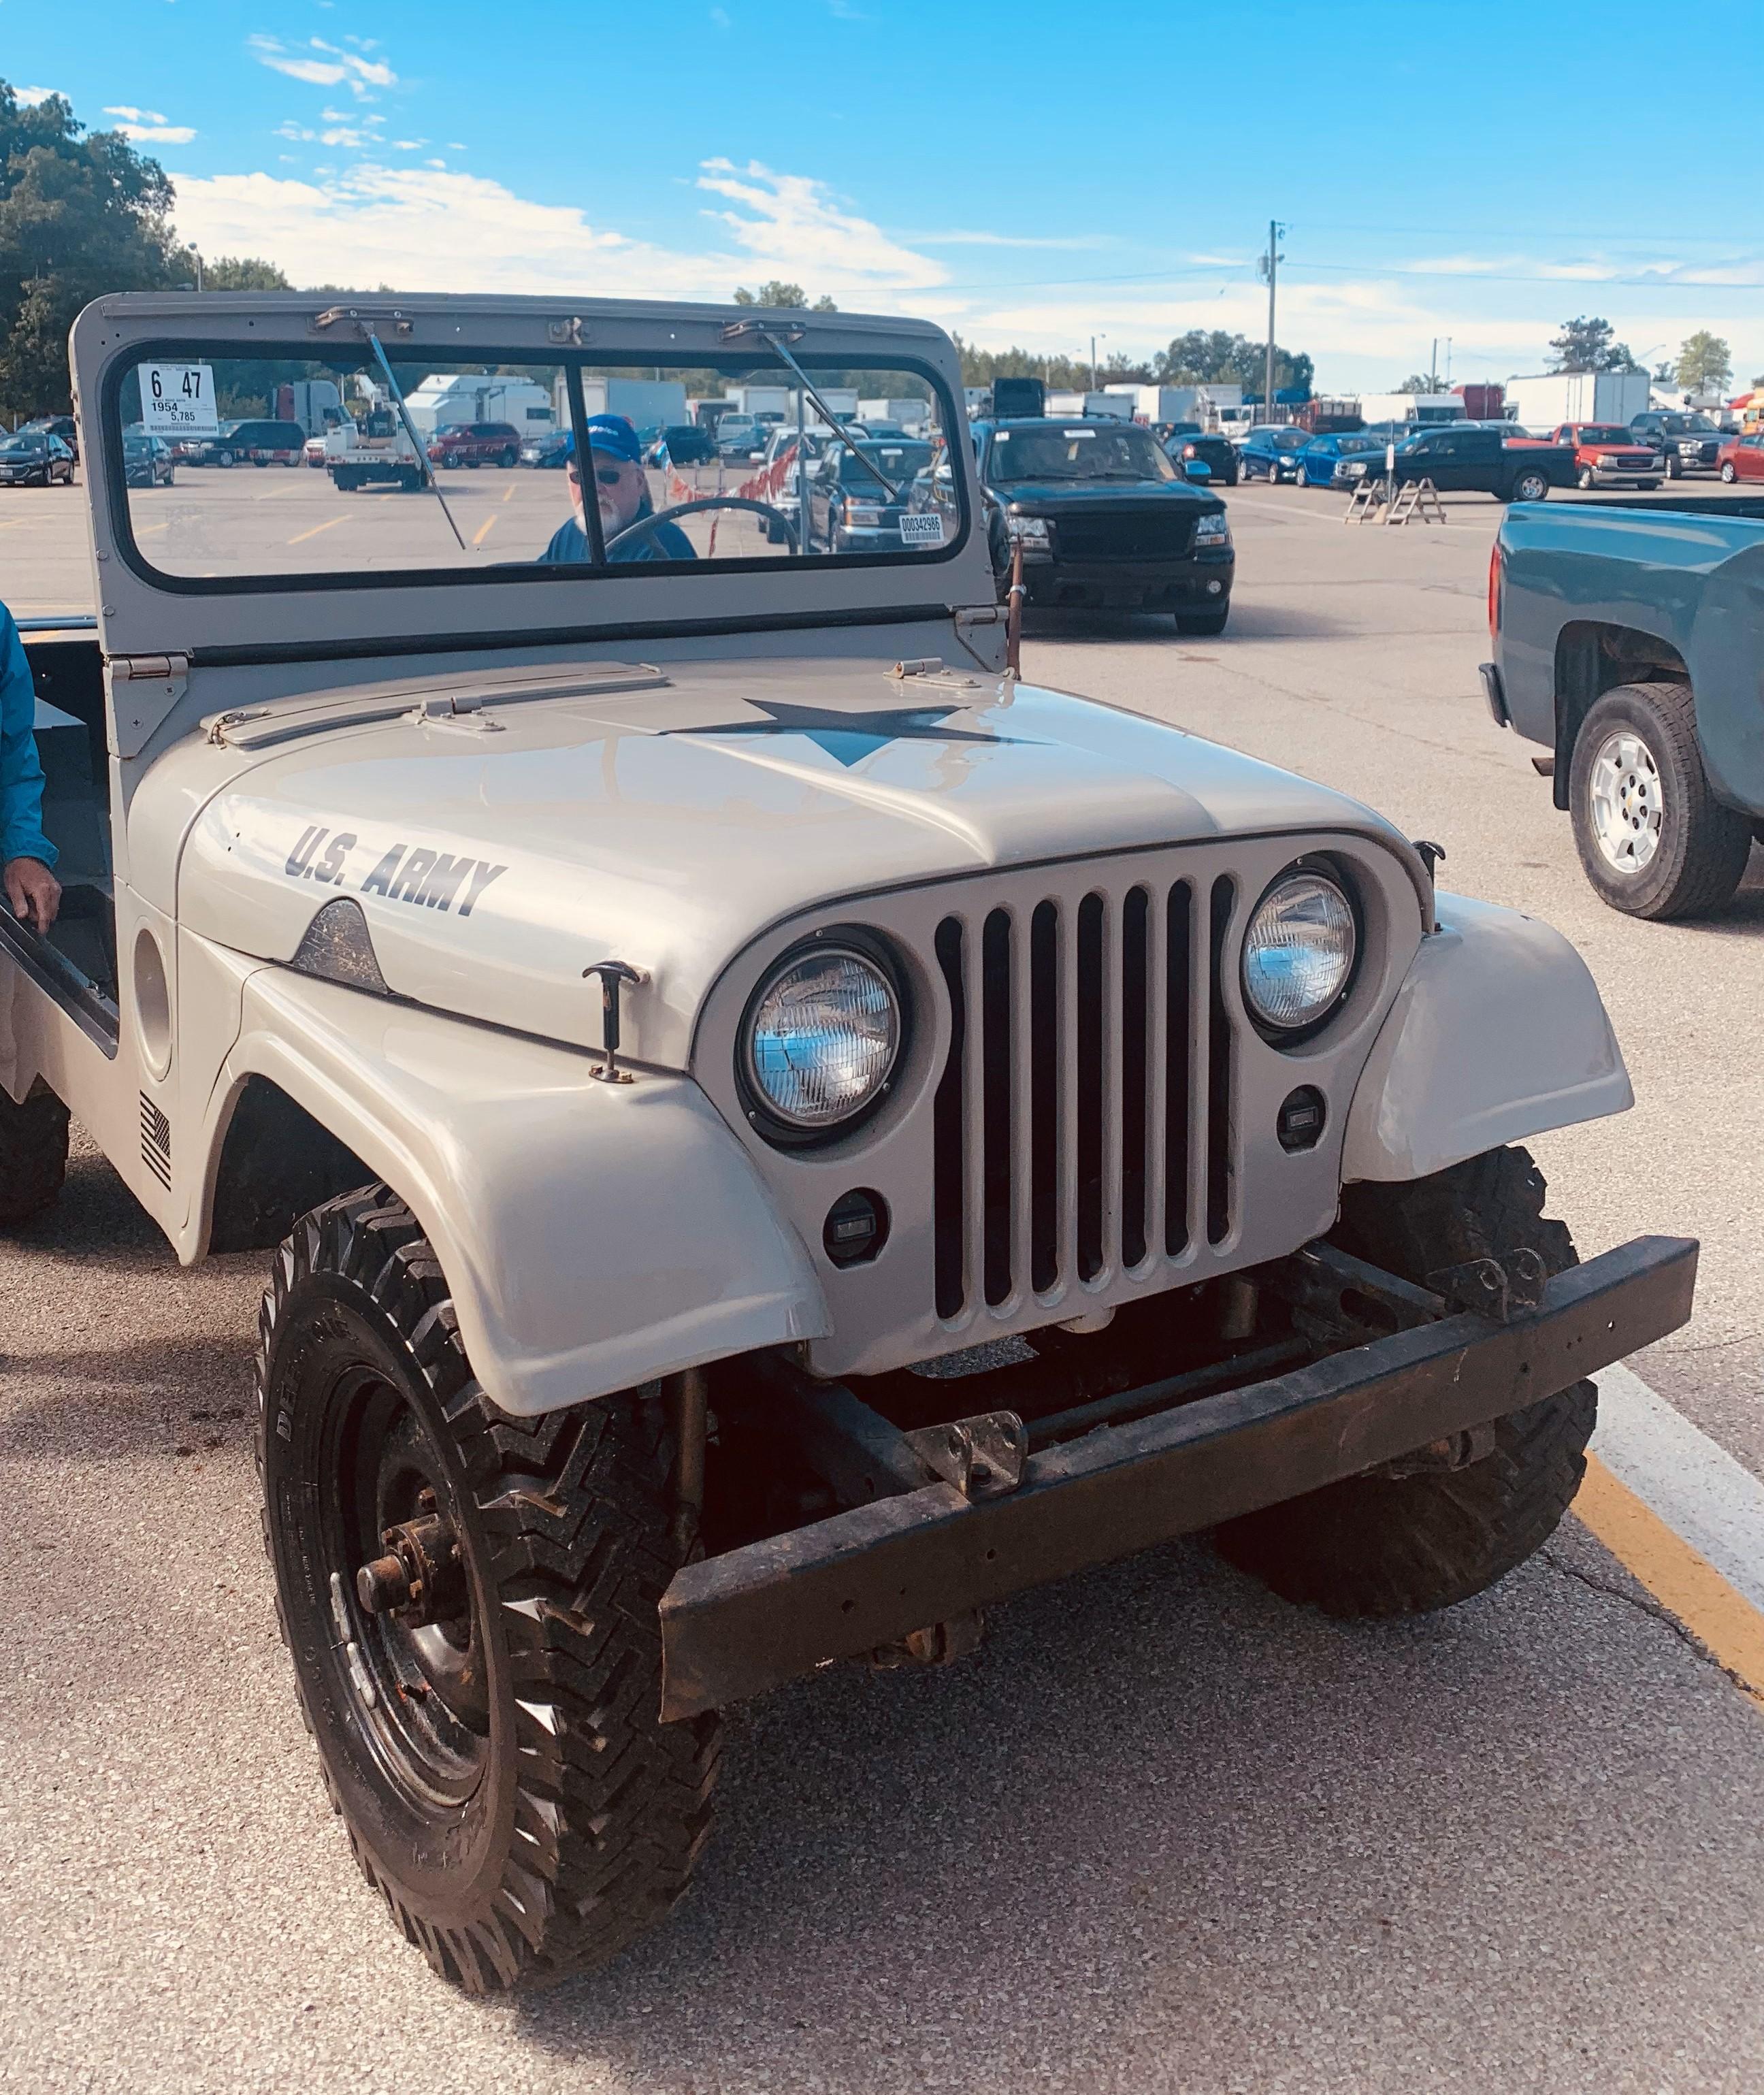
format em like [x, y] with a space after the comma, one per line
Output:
[1272, 452]
[1321, 458]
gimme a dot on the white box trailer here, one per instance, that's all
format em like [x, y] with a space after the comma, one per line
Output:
[1548, 399]
[1107, 406]
[647, 404]
[1418, 407]
[911, 414]
[1154, 404]
[447, 399]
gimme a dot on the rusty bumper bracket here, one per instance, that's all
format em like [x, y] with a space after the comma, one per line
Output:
[736, 1625]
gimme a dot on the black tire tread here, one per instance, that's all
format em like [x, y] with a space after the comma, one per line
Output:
[1708, 844]
[612, 1807]
[33, 1154]
[1378, 1546]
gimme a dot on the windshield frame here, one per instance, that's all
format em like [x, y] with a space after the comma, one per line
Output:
[586, 362]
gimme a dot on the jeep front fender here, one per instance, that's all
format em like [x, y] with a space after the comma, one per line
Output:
[592, 1235]
[1497, 1033]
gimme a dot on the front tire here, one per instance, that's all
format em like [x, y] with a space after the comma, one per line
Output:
[33, 1154]
[1529, 487]
[1379, 1545]
[1583, 479]
[493, 1747]
[1727, 471]
[1653, 840]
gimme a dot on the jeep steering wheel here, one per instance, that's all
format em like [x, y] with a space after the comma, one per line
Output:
[645, 525]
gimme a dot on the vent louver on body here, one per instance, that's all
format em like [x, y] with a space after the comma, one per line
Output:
[155, 1142]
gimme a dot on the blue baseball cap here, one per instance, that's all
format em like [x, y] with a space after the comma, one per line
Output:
[613, 435]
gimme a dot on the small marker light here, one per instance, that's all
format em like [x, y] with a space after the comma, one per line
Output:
[1300, 1122]
[856, 1227]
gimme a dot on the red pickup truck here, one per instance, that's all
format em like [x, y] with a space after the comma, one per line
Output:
[475, 443]
[1606, 454]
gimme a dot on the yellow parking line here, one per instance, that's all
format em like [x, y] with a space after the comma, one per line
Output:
[1680, 1578]
[147, 531]
[510, 495]
[483, 530]
[299, 536]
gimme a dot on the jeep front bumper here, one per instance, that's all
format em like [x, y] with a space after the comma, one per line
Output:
[749, 1620]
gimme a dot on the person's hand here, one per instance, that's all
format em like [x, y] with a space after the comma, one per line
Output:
[33, 892]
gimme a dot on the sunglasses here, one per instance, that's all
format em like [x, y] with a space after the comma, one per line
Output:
[608, 475]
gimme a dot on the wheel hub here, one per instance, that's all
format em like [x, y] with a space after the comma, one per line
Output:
[1626, 801]
[421, 1579]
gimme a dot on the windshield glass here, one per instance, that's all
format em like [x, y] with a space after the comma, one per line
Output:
[1607, 433]
[1287, 440]
[1077, 450]
[35, 446]
[1351, 444]
[434, 468]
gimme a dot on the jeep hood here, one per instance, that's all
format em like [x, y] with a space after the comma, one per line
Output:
[497, 852]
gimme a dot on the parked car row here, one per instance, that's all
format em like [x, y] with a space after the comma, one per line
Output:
[32, 459]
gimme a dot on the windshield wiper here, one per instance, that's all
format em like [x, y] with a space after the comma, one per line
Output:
[737, 329]
[410, 430]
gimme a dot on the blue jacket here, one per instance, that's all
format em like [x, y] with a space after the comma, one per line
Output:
[21, 769]
[666, 542]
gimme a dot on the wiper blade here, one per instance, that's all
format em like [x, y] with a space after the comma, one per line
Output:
[838, 428]
[410, 430]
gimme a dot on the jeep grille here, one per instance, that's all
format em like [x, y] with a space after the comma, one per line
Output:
[1082, 1123]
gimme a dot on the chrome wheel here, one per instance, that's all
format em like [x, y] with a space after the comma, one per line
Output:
[1626, 801]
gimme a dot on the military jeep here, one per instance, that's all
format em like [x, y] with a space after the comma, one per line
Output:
[772, 1133]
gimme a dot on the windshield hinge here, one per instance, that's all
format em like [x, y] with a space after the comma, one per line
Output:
[173, 671]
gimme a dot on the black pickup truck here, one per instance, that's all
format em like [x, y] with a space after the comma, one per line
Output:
[1104, 518]
[1474, 461]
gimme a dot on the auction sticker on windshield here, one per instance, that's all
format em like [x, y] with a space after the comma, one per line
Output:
[178, 400]
[924, 527]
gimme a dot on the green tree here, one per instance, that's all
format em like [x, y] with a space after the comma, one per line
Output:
[80, 214]
[774, 293]
[1420, 381]
[242, 272]
[1705, 362]
[1590, 344]
[1202, 357]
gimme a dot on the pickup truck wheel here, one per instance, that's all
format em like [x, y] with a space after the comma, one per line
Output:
[1728, 472]
[1675, 471]
[1584, 478]
[1654, 839]
[1430, 1534]
[1530, 486]
[33, 1154]
[470, 1601]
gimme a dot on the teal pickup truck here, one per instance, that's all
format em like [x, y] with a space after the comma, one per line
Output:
[1627, 641]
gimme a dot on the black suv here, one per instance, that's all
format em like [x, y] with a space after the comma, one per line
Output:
[1104, 517]
[1692, 443]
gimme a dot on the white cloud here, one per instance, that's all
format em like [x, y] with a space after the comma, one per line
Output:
[1089, 240]
[33, 98]
[135, 115]
[408, 145]
[791, 222]
[152, 133]
[720, 18]
[429, 228]
[333, 67]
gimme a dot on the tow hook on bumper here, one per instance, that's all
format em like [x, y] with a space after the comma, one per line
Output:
[913, 1549]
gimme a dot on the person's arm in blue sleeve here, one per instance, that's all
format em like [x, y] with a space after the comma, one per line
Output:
[25, 852]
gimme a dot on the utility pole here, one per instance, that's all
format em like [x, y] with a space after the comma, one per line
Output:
[1433, 367]
[1275, 230]
[1093, 364]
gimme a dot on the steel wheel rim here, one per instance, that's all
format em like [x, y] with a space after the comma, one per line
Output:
[1626, 801]
[416, 1694]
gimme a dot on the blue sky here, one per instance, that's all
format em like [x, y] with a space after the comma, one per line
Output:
[1027, 173]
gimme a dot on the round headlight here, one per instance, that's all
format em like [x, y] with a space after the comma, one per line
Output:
[822, 1036]
[1299, 950]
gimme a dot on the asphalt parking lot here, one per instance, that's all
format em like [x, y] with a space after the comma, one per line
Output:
[1162, 1833]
